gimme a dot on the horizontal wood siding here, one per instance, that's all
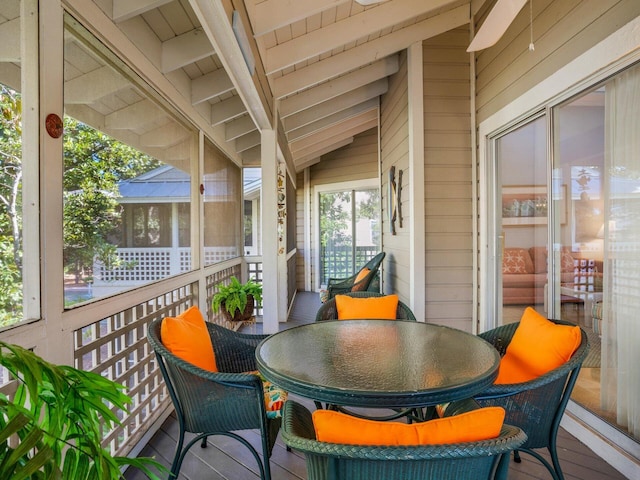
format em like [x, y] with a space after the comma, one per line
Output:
[394, 151]
[448, 180]
[562, 30]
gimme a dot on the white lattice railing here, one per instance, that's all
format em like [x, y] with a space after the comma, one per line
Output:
[143, 265]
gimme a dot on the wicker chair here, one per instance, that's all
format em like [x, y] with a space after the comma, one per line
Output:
[328, 310]
[536, 406]
[461, 461]
[369, 283]
[219, 403]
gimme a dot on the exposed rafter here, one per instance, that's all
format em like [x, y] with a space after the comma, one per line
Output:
[349, 30]
[335, 119]
[185, 49]
[341, 85]
[368, 52]
[337, 104]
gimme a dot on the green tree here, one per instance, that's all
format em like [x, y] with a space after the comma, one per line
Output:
[10, 206]
[94, 163]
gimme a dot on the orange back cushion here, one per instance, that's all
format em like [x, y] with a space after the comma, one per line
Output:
[370, 307]
[337, 427]
[187, 337]
[537, 347]
[361, 276]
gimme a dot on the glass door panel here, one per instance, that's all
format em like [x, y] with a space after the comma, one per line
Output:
[349, 231]
[597, 157]
[522, 226]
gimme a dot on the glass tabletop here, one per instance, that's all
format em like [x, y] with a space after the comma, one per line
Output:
[378, 363]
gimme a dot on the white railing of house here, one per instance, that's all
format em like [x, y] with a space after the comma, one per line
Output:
[144, 265]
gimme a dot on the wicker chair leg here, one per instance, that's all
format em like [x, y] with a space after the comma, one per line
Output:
[203, 444]
[516, 456]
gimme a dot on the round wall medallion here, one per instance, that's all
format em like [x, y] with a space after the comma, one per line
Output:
[54, 125]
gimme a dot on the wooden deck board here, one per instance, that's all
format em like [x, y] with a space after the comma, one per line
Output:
[227, 459]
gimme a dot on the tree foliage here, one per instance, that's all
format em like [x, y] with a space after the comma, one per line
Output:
[94, 163]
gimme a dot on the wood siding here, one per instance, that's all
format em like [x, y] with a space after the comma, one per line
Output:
[394, 151]
[448, 180]
[561, 32]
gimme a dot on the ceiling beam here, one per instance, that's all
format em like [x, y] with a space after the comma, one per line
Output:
[94, 85]
[185, 49]
[268, 16]
[250, 140]
[216, 22]
[126, 9]
[334, 35]
[134, 116]
[238, 127]
[343, 130]
[337, 117]
[333, 88]
[252, 157]
[227, 110]
[209, 86]
[165, 136]
[369, 52]
[312, 159]
[337, 104]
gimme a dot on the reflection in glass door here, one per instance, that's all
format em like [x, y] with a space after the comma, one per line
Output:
[349, 231]
[597, 160]
[522, 226]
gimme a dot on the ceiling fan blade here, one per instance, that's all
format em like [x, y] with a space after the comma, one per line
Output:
[496, 23]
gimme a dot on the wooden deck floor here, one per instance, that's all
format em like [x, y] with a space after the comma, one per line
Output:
[225, 459]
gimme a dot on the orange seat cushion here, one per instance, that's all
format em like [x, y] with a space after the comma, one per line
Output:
[537, 347]
[370, 307]
[361, 276]
[337, 427]
[187, 337]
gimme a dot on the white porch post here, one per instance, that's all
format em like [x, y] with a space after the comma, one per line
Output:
[416, 180]
[270, 263]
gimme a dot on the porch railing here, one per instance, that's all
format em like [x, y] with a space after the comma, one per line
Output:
[337, 261]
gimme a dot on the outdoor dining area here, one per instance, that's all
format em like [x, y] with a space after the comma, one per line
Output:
[363, 389]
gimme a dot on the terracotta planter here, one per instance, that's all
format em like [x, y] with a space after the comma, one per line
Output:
[240, 316]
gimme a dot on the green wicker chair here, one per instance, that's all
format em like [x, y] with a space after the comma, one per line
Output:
[220, 403]
[461, 461]
[328, 310]
[536, 406]
[369, 283]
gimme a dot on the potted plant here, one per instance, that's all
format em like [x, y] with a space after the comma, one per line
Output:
[237, 300]
[53, 425]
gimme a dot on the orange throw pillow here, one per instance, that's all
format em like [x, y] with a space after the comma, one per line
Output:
[361, 276]
[336, 427]
[350, 308]
[187, 337]
[537, 347]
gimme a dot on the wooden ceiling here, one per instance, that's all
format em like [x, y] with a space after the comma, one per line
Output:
[321, 64]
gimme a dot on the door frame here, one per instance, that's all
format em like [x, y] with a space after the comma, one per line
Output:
[371, 183]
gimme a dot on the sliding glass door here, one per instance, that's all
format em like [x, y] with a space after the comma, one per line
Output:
[349, 231]
[566, 232]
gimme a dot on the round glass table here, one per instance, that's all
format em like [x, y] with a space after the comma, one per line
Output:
[378, 363]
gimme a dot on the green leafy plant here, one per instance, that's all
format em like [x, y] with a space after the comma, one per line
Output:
[233, 297]
[52, 426]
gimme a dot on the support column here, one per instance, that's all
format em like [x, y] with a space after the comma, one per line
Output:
[416, 180]
[269, 202]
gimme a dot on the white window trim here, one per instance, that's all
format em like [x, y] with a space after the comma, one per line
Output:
[616, 52]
